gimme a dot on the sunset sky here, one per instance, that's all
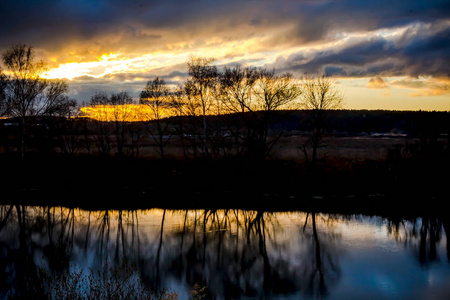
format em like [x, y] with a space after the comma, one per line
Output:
[382, 54]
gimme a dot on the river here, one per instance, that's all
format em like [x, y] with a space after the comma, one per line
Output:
[59, 252]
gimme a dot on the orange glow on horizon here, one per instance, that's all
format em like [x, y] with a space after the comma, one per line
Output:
[123, 113]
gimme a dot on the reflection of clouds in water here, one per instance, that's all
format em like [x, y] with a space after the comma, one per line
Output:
[439, 287]
[238, 251]
[386, 285]
[366, 233]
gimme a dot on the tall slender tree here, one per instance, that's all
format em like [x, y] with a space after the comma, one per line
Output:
[155, 96]
[201, 86]
[103, 130]
[121, 109]
[3, 84]
[319, 95]
[272, 92]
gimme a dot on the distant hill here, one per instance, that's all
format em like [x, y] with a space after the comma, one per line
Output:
[361, 122]
[338, 122]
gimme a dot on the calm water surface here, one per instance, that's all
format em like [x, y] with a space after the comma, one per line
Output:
[236, 254]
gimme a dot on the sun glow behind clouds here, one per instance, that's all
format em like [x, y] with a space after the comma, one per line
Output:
[124, 70]
[107, 63]
[252, 50]
[114, 63]
[110, 64]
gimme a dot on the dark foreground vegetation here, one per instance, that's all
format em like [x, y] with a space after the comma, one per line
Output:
[412, 176]
[232, 138]
[95, 183]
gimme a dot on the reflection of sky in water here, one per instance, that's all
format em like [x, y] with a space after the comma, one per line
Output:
[360, 257]
[378, 267]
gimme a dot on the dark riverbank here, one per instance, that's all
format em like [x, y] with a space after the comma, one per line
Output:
[399, 187]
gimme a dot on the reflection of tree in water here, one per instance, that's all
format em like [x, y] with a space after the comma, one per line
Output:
[60, 244]
[115, 240]
[321, 260]
[237, 253]
[21, 278]
[39, 243]
[233, 252]
[423, 235]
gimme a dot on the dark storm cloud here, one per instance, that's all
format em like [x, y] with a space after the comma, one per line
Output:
[428, 53]
[124, 24]
[54, 24]
[419, 51]
[69, 30]
[351, 59]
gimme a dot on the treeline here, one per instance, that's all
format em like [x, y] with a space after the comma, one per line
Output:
[217, 113]
[234, 112]
[229, 112]
[361, 122]
[76, 136]
[250, 95]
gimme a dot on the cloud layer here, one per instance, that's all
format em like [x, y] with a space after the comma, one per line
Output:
[344, 38]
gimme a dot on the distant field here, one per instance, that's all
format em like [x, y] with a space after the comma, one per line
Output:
[334, 148]
[347, 148]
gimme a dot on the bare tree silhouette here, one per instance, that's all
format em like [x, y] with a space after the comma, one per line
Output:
[25, 93]
[119, 103]
[156, 96]
[201, 87]
[319, 95]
